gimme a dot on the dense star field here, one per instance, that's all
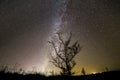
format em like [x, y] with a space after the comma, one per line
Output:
[27, 25]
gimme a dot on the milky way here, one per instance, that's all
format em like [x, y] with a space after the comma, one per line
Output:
[26, 26]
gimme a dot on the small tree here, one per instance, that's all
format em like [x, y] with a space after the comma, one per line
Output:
[106, 69]
[64, 53]
[83, 71]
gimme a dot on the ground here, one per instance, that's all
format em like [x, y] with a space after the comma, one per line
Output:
[111, 75]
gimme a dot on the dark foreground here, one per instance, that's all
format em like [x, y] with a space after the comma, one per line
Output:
[111, 75]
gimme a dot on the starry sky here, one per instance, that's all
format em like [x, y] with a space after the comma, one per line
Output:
[27, 25]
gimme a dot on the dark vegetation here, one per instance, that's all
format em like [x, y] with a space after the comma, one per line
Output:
[6, 74]
[111, 75]
[64, 53]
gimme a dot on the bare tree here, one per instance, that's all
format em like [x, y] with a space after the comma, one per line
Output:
[64, 53]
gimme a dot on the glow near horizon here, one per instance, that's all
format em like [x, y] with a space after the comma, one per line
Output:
[57, 21]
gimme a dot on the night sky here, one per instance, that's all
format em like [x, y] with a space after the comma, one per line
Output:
[27, 25]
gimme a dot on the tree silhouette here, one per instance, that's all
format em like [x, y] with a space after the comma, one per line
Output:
[83, 71]
[64, 53]
[106, 69]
